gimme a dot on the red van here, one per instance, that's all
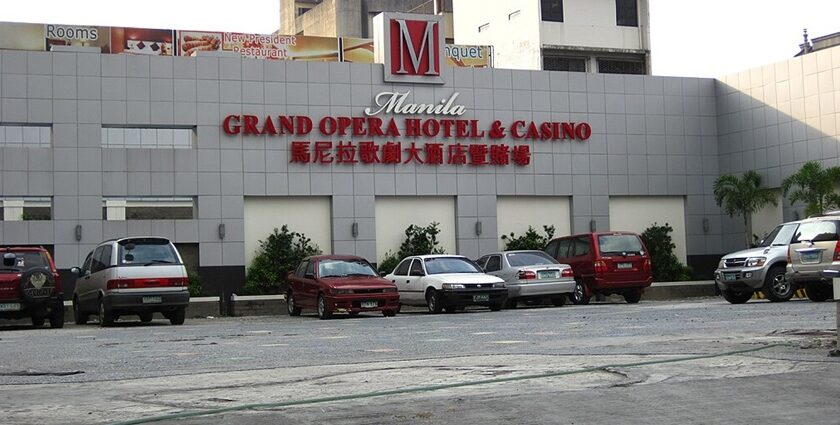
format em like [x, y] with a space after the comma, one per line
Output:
[605, 263]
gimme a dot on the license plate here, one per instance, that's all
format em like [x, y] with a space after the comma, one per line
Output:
[9, 306]
[548, 274]
[729, 277]
[624, 266]
[152, 300]
[810, 257]
[369, 304]
[481, 298]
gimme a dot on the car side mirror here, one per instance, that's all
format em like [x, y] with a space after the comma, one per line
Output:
[383, 274]
[75, 270]
[309, 276]
[9, 259]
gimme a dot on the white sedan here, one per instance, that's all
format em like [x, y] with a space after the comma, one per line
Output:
[446, 282]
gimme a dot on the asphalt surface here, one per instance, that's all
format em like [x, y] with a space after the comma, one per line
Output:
[602, 363]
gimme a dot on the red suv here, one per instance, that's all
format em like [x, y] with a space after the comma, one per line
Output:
[30, 286]
[605, 263]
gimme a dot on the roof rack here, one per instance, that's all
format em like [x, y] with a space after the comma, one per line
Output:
[825, 213]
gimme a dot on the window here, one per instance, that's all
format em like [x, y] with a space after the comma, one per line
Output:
[535, 258]
[299, 272]
[402, 269]
[552, 10]
[817, 231]
[145, 251]
[25, 136]
[86, 264]
[441, 265]
[626, 14]
[551, 248]
[342, 268]
[96, 264]
[619, 244]
[563, 249]
[559, 63]
[26, 209]
[310, 269]
[481, 261]
[494, 263]
[780, 236]
[607, 66]
[417, 268]
[151, 138]
[581, 246]
[148, 209]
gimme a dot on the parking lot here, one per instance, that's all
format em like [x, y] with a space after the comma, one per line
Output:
[654, 362]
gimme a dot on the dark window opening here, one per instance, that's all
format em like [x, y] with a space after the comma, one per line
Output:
[556, 63]
[158, 213]
[626, 14]
[620, 67]
[36, 213]
[552, 10]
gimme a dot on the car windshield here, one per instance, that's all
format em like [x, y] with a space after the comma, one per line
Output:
[342, 268]
[24, 260]
[619, 244]
[147, 252]
[532, 258]
[441, 265]
[780, 236]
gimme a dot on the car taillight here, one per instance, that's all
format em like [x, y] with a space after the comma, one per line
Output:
[600, 266]
[527, 274]
[646, 265]
[567, 273]
[837, 252]
[165, 282]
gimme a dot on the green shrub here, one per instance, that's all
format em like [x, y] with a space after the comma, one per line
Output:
[194, 285]
[666, 267]
[418, 241]
[278, 254]
[530, 240]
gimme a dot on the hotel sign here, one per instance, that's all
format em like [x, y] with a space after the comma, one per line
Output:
[409, 46]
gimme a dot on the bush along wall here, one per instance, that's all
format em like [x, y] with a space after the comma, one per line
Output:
[666, 267]
[277, 255]
[418, 241]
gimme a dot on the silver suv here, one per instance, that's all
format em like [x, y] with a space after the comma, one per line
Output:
[762, 268]
[137, 275]
[815, 248]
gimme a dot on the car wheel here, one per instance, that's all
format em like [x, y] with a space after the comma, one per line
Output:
[558, 301]
[389, 313]
[106, 317]
[291, 305]
[735, 297]
[496, 306]
[37, 320]
[510, 304]
[579, 297]
[632, 296]
[433, 302]
[177, 317]
[78, 317]
[57, 315]
[323, 312]
[776, 288]
[818, 291]
[146, 317]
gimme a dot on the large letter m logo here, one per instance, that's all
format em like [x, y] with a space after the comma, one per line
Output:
[414, 47]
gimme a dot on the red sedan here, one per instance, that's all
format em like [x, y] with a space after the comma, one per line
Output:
[340, 284]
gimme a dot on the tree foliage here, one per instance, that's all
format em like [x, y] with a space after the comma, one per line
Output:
[742, 196]
[277, 255]
[666, 267]
[418, 241]
[531, 239]
[814, 186]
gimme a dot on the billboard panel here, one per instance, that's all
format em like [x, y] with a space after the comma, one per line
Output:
[142, 41]
[78, 35]
[284, 47]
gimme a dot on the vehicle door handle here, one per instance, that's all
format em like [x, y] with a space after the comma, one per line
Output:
[393, 281]
[407, 281]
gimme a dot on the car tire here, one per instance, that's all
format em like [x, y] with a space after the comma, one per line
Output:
[510, 304]
[449, 309]
[818, 291]
[79, 317]
[389, 313]
[106, 317]
[735, 297]
[38, 320]
[177, 317]
[579, 296]
[323, 312]
[291, 306]
[558, 301]
[433, 301]
[633, 296]
[146, 317]
[776, 288]
[57, 315]
[496, 306]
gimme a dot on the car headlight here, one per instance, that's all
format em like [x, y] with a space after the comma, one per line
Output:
[756, 261]
[342, 291]
[389, 290]
[721, 264]
[499, 285]
[453, 286]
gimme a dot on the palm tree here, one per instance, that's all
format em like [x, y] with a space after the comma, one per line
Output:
[742, 196]
[813, 185]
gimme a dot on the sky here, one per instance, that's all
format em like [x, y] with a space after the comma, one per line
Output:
[708, 38]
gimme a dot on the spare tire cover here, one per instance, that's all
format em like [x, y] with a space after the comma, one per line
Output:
[37, 284]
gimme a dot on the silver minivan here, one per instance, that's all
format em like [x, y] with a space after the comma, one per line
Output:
[131, 276]
[815, 247]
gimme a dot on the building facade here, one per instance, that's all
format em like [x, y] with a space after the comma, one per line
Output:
[114, 145]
